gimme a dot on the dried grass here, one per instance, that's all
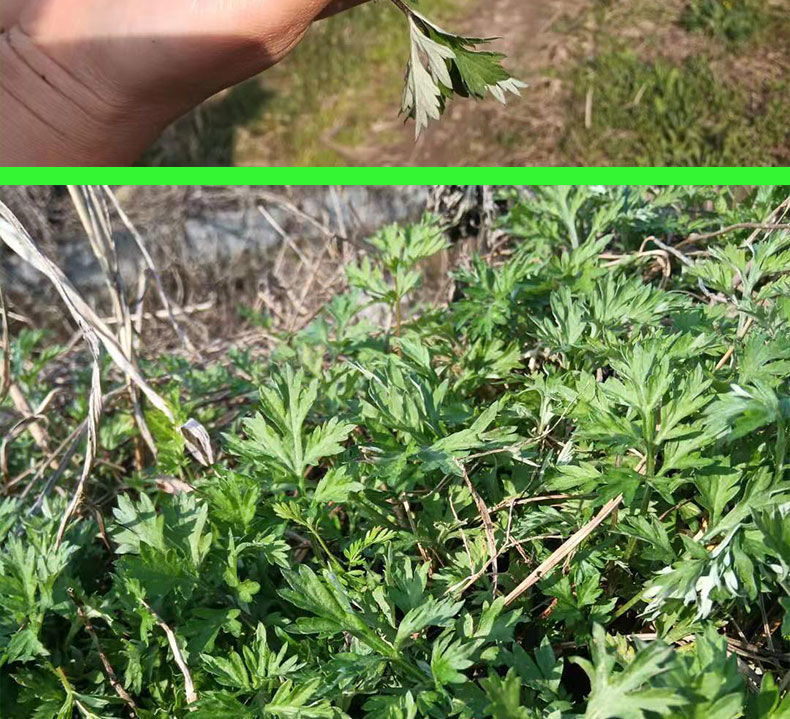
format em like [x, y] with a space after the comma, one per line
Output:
[96, 332]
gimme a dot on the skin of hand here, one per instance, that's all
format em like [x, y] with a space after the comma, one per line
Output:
[93, 82]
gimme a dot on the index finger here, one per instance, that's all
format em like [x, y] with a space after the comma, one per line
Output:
[336, 6]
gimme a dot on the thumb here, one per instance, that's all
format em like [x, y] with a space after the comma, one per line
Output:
[10, 10]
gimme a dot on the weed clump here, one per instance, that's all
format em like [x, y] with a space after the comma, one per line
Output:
[733, 21]
[562, 494]
[660, 113]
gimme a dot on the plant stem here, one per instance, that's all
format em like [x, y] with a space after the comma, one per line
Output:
[397, 305]
[408, 667]
[331, 557]
[649, 433]
[649, 471]
[60, 674]
[403, 7]
[568, 219]
[630, 603]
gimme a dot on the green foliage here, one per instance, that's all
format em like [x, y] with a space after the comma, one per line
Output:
[442, 63]
[733, 21]
[394, 274]
[281, 444]
[662, 113]
[351, 551]
[627, 694]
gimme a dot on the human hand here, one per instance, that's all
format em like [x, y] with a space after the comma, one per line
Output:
[94, 81]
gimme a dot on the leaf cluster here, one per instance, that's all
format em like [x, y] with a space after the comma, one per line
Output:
[355, 549]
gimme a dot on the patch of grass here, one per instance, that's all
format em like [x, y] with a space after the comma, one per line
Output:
[660, 113]
[346, 76]
[733, 21]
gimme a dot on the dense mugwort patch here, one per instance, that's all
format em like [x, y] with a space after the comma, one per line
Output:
[561, 494]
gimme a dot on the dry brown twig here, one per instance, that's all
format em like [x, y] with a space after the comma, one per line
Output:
[770, 224]
[96, 222]
[507, 534]
[96, 334]
[29, 416]
[731, 349]
[757, 226]
[15, 236]
[108, 669]
[463, 534]
[149, 263]
[189, 686]
[184, 311]
[314, 268]
[661, 257]
[68, 446]
[322, 228]
[92, 442]
[488, 526]
[138, 306]
[410, 518]
[669, 250]
[464, 584]
[518, 501]
[284, 236]
[567, 547]
[5, 367]
[30, 420]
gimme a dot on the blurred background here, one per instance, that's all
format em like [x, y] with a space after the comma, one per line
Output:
[611, 82]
